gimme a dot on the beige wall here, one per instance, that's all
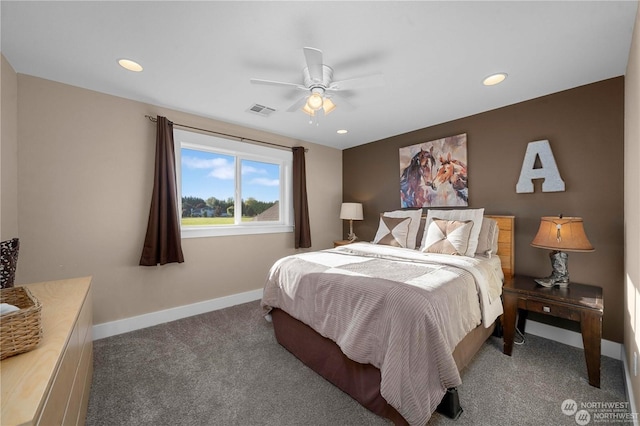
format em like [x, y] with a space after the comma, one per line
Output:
[632, 206]
[85, 168]
[8, 151]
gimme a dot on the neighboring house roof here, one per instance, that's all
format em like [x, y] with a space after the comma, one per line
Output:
[271, 214]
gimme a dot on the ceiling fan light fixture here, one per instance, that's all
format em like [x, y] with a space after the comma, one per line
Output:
[314, 102]
[307, 110]
[328, 106]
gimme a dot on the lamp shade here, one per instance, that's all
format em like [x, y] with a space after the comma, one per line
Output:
[563, 234]
[352, 211]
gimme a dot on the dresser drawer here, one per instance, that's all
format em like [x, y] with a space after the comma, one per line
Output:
[556, 310]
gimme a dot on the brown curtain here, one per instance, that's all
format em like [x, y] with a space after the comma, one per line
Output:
[300, 208]
[162, 244]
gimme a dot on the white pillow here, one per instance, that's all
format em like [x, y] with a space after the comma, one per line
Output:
[488, 238]
[415, 215]
[494, 243]
[392, 231]
[475, 215]
[448, 236]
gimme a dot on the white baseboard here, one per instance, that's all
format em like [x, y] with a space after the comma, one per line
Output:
[100, 331]
[571, 338]
[628, 387]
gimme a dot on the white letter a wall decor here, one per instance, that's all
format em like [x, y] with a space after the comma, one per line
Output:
[549, 170]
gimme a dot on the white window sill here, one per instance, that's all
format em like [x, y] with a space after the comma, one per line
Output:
[219, 231]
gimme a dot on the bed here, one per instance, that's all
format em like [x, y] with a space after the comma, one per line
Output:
[393, 324]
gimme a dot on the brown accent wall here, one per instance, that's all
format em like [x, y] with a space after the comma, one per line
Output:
[585, 127]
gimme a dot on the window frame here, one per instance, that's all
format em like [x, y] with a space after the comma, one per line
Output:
[240, 151]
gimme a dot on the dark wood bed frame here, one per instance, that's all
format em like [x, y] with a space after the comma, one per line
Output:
[362, 381]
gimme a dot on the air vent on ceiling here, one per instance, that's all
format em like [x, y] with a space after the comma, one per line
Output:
[261, 110]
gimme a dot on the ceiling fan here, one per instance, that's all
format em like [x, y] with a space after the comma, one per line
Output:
[319, 85]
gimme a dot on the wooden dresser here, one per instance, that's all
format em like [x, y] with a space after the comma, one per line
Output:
[50, 384]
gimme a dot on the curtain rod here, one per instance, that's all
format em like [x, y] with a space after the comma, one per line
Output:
[240, 138]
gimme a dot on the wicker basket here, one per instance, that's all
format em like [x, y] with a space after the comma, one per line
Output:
[20, 331]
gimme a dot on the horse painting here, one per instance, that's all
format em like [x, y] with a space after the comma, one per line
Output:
[453, 172]
[434, 174]
[412, 193]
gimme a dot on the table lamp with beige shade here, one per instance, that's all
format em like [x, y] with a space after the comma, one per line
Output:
[560, 234]
[351, 212]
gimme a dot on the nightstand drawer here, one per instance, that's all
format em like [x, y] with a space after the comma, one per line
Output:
[553, 309]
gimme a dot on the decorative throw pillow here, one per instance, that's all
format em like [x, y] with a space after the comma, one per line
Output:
[448, 236]
[476, 215]
[415, 215]
[392, 231]
[488, 238]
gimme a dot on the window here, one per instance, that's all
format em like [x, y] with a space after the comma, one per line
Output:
[228, 187]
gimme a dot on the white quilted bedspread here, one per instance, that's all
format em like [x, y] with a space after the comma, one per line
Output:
[400, 310]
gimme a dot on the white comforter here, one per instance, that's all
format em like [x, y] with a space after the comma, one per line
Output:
[398, 309]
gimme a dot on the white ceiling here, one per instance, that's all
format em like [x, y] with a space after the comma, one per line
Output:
[198, 57]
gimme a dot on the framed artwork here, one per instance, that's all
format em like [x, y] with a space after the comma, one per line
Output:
[434, 174]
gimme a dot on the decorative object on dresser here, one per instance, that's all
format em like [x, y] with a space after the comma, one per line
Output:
[582, 303]
[8, 261]
[560, 234]
[50, 384]
[351, 212]
[20, 329]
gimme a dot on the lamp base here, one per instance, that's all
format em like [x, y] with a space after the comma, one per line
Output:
[351, 236]
[560, 270]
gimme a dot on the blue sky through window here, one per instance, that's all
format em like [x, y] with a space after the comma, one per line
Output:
[207, 174]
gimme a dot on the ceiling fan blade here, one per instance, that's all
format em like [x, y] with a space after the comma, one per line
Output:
[297, 104]
[314, 63]
[276, 83]
[374, 80]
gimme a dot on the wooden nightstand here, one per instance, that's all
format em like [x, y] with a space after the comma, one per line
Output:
[341, 243]
[578, 302]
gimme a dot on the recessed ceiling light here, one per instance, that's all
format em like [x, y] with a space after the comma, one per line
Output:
[494, 79]
[342, 131]
[130, 65]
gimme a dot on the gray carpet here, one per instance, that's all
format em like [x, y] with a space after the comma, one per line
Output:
[226, 368]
